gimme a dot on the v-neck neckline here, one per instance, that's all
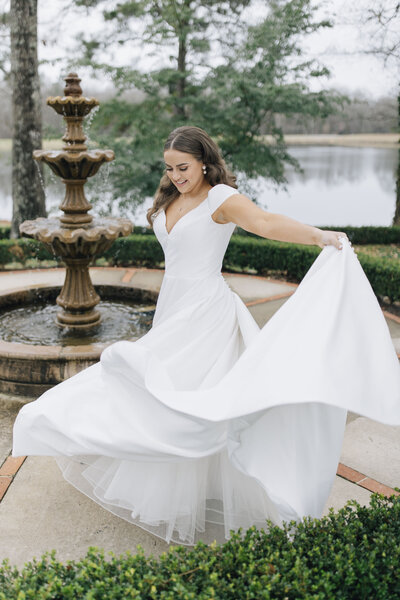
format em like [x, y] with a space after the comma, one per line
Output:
[182, 217]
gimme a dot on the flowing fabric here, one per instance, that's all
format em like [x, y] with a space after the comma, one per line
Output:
[209, 423]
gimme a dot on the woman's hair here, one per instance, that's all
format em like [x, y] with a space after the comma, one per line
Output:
[197, 142]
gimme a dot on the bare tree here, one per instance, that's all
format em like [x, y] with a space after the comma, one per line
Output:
[383, 21]
[27, 191]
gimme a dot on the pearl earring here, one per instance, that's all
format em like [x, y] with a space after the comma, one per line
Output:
[204, 169]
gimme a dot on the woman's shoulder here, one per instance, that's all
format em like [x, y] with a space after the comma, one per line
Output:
[219, 193]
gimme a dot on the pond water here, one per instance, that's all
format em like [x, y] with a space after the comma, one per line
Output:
[338, 186]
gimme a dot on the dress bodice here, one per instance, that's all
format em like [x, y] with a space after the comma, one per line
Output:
[195, 246]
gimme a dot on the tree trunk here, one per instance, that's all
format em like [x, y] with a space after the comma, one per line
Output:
[179, 106]
[396, 218]
[27, 190]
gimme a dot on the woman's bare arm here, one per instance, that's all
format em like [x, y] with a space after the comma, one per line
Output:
[239, 209]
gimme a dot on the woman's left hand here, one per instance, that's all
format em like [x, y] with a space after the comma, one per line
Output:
[331, 238]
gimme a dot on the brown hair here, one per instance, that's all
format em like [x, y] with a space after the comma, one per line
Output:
[197, 142]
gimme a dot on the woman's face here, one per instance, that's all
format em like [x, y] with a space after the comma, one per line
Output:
[184, 170]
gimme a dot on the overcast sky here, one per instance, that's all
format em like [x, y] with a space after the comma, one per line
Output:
[336, 47]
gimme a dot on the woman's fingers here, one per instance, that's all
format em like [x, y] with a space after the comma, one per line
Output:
[333, 238]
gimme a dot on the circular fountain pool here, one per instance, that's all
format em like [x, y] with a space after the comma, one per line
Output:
[36, 324]
[36, 353]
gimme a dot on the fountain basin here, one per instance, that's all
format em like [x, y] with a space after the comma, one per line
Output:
[77, 245]
[79, 242]
[29, 370]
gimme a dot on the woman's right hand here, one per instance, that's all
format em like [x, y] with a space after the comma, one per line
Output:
[331, 238]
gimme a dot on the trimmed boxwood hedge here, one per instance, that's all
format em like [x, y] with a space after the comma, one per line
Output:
[358, 235]
[5, 232]
[22, 249]
[244, 253]
[352, 554]
[261, 256]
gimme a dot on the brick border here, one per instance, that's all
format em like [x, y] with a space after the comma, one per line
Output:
[127, 276]
[391, 316]
[269, 299]
[12, 465]
[364, 481]
[263, 277]
[394, 318]
[8, 471]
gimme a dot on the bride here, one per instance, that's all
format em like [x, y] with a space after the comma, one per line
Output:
[208, 423]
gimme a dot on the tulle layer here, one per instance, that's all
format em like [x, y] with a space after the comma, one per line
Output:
[179, 502]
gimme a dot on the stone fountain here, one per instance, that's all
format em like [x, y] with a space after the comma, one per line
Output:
[76, 236]
[43, 343]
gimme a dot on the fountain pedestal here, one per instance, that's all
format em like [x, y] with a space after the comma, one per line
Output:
[76, 236]
[78, 297]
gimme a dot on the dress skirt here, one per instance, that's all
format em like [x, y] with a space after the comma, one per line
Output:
[208, 423]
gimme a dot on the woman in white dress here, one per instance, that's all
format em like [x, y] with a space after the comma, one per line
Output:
[208, 423]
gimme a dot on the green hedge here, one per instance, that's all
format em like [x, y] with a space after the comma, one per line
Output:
[5, 232]
[140, 250]
[22, 249]
[358, 235]
[261, 256]
[369, 235]
[244, 253]
[353, 554]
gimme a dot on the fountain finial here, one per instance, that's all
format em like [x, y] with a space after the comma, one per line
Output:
[72, 87]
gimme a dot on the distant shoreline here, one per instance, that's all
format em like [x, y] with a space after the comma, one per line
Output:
[354, 140]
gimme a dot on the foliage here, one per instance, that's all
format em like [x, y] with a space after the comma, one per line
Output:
[22, 249]
[244, 253]
[359, 235]
[384, 251]
[261, 256]
[140, 250]
[260, 73]
[382, 21]
[353, 554]
[4, 44]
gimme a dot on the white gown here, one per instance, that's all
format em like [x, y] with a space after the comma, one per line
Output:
[208, 423]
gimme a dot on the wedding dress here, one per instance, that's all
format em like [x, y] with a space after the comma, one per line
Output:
[208, 423]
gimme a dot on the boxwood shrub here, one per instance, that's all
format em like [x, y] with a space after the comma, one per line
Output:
[22, 249]
[5, 232]
[261, 256]
[352, 554]
[357, 235]
[244, 253]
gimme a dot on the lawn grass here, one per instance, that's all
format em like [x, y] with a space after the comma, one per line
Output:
[358, 140]
[6, 144]
[383, 251]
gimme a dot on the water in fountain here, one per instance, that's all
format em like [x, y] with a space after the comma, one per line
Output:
[35, 324]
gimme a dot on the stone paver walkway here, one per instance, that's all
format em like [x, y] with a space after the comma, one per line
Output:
[40, 511]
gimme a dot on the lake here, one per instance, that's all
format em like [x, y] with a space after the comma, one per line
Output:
[338, 186]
